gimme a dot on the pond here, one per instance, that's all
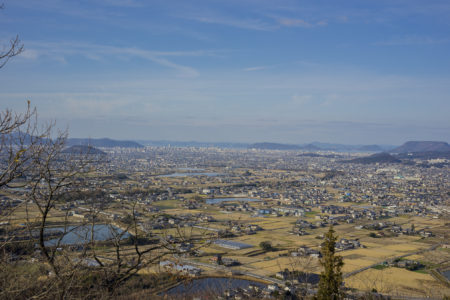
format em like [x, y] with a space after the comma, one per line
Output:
[82, 234]
[191, 169]
[209, 174]
[219, 200]
[446, 274]
[210, 285]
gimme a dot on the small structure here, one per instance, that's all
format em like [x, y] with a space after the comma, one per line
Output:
[185, 269]
[232, 245]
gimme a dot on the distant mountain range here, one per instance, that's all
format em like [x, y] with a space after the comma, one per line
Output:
[103, 143]
[371, 148]
[316, 146]
[310, 147]
[418, 148]
[351, 148]
[83, 150]
[274, 146]
[422, 146]
[164, 143]
[407, 152]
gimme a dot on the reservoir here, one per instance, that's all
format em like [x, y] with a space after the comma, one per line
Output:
[209, 174]
[211, 285]
[446, 274]
[219, 200]
[82, 234]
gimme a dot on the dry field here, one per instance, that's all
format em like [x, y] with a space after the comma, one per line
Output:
[394, 281]
[400, 282]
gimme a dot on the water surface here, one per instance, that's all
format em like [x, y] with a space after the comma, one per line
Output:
[82, 234]
[446, 274]
[211, 285]
[209, 174]
[219, 200]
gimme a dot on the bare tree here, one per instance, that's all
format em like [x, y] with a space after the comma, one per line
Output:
[21, 141]
[305, 268]
[141, 250]
[14, 48]
[19, 137]
[34, 160]
[35, 168]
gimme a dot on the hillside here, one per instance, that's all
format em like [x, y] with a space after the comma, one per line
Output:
[422, 146]
[182, 144]
[82, 149]
[375, 158]
[311, 147]
[370, 148]
[105, 143]
[349, 148]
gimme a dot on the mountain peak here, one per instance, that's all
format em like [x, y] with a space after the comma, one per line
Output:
[422, 146]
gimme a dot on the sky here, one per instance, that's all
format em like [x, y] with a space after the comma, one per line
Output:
[354, 72]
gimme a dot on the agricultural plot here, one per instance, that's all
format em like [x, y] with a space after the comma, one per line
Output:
[398, 282]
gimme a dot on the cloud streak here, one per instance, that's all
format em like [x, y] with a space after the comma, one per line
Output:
[288, 22]
[258, 68]
[64, 50]
[249, 24]
[413, 40]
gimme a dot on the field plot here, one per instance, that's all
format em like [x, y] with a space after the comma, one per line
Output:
[355, 264]
[400, 282]
[272, 266]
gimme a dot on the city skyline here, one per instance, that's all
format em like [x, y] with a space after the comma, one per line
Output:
[376, 72]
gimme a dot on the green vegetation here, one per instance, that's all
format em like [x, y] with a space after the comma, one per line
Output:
[310, 213]
[266, 246]
[330, 284]
[380, 267]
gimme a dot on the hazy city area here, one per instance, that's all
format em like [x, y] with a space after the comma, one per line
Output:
[258, 215]
[229, 150]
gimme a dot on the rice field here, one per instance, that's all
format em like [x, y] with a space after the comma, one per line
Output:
[396, 281]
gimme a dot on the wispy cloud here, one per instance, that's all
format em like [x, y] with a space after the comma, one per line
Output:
[263, 22]
[71, 9]
[294, 23]
[258, 68]
[288, 22]
[413, 40]
[250, 24]
[63, 51]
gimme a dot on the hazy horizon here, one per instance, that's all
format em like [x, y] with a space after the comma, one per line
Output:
[372, 72]
[256, 142]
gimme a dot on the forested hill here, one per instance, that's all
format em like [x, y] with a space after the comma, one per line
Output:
[422, 146]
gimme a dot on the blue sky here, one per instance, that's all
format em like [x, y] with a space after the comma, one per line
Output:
[244, 71]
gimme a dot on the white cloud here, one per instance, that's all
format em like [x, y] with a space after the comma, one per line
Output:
[413, 40]
[294, 23]
[251, 24]
[29, 54]
[64, 50]
[258, 68]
